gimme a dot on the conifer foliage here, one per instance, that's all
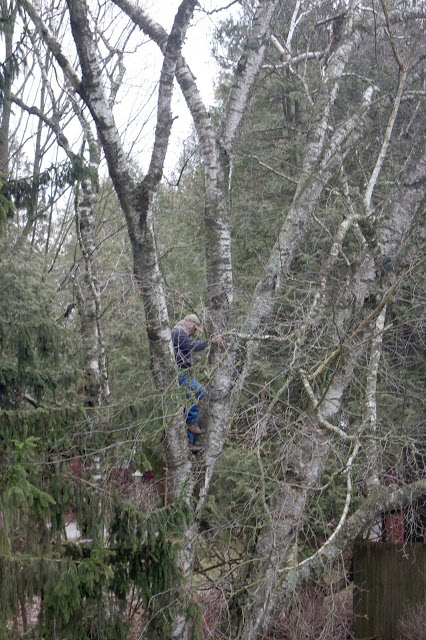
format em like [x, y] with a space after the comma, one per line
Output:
[49, 457]
[86, 589]
[30, 337]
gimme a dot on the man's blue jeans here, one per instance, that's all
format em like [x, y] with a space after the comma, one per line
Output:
[195, 393]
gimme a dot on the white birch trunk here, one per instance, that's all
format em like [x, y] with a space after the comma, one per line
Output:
[96, 386]
[95, 371]
[373, 479]
[217, 151]
[8, 13]
[136, 199]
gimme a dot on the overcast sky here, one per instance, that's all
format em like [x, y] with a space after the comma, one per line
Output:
[196, 50]
[136, 100]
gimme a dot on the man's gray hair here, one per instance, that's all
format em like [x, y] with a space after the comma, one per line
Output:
[189, 322]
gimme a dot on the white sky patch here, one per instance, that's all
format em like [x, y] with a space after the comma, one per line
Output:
[197, 52]
[135, 105]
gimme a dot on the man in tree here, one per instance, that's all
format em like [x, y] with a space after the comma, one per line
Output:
[184, 346]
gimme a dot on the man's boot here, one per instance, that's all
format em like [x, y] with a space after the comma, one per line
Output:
[193, 448]
[193, 428]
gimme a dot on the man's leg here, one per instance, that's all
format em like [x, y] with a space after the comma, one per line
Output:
[196, 392]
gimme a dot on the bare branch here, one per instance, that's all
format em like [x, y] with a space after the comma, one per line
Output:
[373, 314]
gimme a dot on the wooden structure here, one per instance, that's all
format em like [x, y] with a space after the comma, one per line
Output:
[387, 577]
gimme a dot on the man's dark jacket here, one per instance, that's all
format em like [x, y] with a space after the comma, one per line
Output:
[184, 346]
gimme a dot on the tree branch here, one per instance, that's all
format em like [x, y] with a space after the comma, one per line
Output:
[387, 296]
[383, 500]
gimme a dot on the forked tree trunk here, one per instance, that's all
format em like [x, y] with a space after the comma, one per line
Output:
[137, 201]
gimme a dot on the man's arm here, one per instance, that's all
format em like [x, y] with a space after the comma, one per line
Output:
[186, 343]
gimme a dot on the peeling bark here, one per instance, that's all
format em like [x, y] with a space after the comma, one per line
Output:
[8, 13]
[96, 386]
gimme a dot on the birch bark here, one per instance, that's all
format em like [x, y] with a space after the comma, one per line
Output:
[308, 191]
[309, 187]
[8, 12]
[277, 539]
[136, 198]
[96, 384]
[137, 201]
